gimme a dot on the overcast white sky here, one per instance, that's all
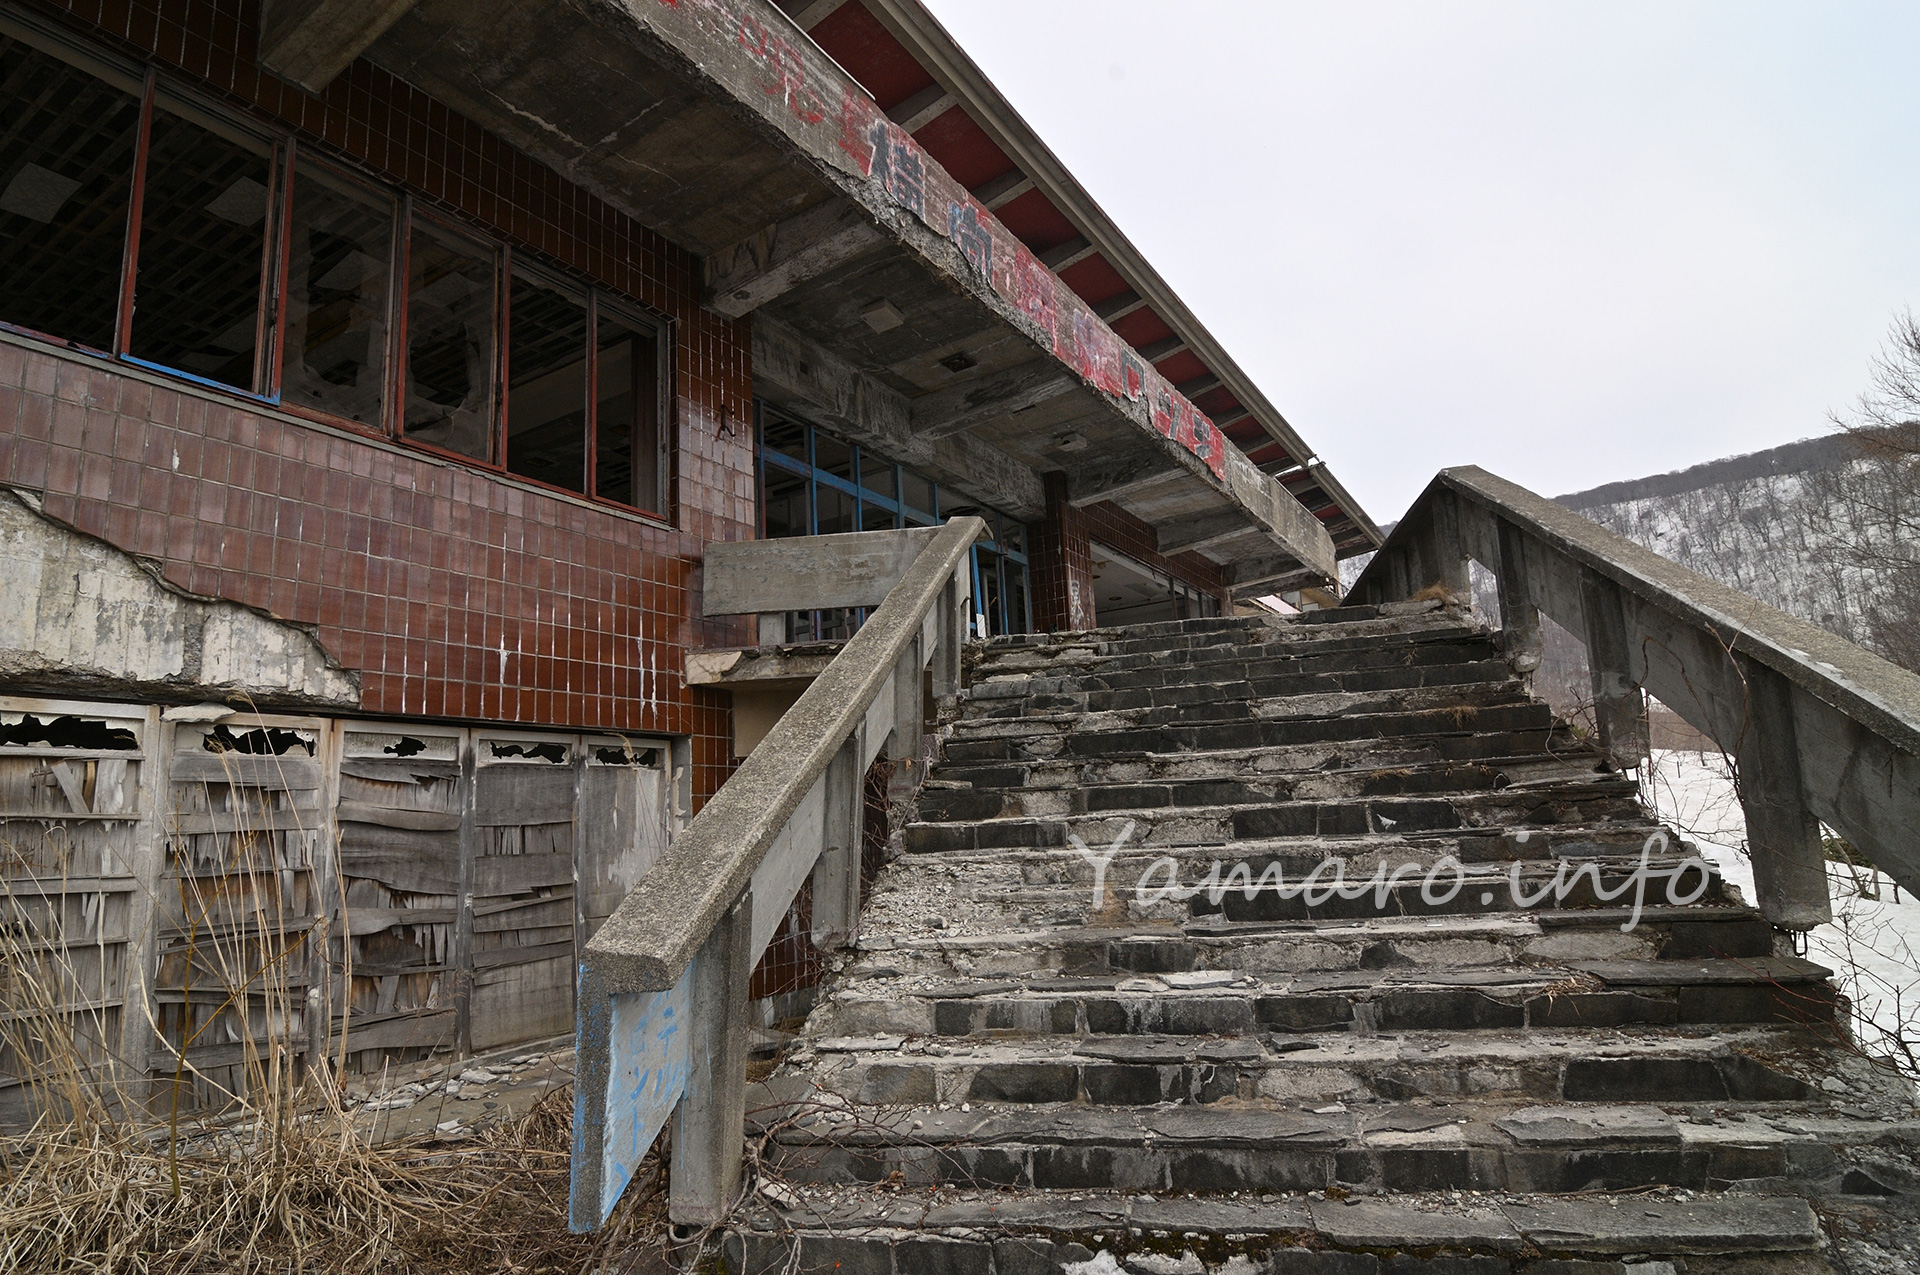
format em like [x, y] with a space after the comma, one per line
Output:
[1569, 242]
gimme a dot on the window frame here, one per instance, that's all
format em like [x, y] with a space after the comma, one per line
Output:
[904, 513]
[286, 150]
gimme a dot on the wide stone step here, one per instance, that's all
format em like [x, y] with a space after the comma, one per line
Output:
[1698, 1114]
[1591, 994]
[1179, 711]
[981, 792]
[914, 1230]
[1525, 728]
[1571, 937]
[1218, 824]
[1432, 625]
[1238, 661]
[1253, 678]
[1221, 896]
[1040, 766]
[1703, 1063]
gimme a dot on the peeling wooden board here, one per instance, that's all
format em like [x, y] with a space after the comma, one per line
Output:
[500, 958]
[244, 821]
[399, 770]
[401, 1031]
[554, 911]
[275, 774]
[512, 873]
[398, 875]
[395, 817]
[373, 920]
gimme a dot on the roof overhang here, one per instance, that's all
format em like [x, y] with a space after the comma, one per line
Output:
[721, 125]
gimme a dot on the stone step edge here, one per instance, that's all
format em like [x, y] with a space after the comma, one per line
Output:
[1050, 1229]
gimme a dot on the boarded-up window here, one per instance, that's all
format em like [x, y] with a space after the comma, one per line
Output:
[402, 799]
[523, 894]
[69, 842]
[235, 911]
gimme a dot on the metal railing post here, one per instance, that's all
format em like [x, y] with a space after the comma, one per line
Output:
[709, 1124]
[1783, 837]
[1619, 705]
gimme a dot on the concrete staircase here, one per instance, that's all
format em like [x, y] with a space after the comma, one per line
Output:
[1041, 1058]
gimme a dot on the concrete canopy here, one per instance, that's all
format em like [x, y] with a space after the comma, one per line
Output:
[720, 124]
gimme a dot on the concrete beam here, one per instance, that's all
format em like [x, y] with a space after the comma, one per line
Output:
[1199, 385]
[1269, 573]
[806, 573]
[954, 411]
[1071, 253]
[794, 371]
[1206, 531]
[1154, 351]
[310, 42]
[1118, 481]
[1114, 309]
[746, 275]
[812, 13]
[997, 192]
[923, 108]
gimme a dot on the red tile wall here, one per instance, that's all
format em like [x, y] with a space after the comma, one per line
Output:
[414, 571]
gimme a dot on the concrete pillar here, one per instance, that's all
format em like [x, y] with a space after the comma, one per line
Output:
[1060, 568]
[1619, 705]
[709, 1124]
[836, 874]
[1783, 837]
[1443, 550]
[1519, 616]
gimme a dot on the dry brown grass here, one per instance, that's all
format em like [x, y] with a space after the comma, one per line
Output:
[109, 1180]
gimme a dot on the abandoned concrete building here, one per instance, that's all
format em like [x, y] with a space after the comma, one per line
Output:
[642, 519]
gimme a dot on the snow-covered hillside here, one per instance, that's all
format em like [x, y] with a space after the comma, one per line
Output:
[1755, 523]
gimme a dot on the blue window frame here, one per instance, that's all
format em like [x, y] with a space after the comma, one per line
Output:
[812, 484]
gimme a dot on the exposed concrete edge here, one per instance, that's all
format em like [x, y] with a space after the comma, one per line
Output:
[216, 635]
[752, 667]
[655, 933]
[1872, 691]
[776, 75]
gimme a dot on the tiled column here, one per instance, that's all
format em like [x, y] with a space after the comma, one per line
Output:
[1061, 565]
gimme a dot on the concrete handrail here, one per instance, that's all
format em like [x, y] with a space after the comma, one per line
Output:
[663, 984]
[1820, 729]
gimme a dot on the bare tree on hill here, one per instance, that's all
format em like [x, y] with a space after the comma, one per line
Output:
[1868, 512]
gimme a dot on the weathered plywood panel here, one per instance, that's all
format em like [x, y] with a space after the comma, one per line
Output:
[524, 1001]
[513, 873]
[517, 795]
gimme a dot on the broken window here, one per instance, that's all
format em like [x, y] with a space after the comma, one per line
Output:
[203, 221]
[629, 463]
[299, 282]
[67, 141]
[341, 249]
[547, 385]
[450, 330]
